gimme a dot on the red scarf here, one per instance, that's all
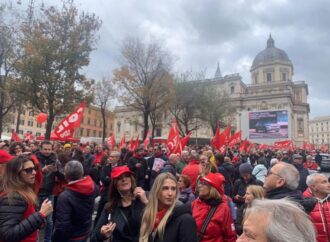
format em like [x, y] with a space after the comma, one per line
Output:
[159, 216]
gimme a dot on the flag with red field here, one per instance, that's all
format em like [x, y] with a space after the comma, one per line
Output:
[173, 140]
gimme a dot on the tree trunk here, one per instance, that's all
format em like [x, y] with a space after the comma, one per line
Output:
[145, 124]
[104, 125]
[19, 112]
[1, 113]
[50, 121]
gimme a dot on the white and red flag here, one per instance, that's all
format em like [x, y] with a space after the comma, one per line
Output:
[146, 142]
[111, 141]
[66, 127]
[173, 140]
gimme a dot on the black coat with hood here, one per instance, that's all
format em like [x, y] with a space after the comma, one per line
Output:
[180, 226]
[74, 210]
[307, 203]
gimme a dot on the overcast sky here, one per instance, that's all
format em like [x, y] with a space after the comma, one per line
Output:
[201, 33]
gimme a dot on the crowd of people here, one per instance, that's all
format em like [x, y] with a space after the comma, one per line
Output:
[149, 195]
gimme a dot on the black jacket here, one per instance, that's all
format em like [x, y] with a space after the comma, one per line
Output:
[12, 227]
[228, 171]
[143, 170]
[74, 210]
[126, 230]
[240, 187]
[48, 178]
[307, 203]
[180, 227]
[303, 173]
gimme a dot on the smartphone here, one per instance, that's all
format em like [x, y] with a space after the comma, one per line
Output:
[109, 218]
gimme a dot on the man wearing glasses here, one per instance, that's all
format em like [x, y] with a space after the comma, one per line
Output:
[282, 181]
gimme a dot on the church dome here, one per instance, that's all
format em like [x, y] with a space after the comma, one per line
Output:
[270, 55]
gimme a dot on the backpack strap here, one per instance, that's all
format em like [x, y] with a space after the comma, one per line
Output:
[207, 221]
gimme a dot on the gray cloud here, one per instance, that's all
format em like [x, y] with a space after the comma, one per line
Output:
[201, 32]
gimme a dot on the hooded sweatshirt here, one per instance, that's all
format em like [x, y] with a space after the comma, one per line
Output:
[74, 210]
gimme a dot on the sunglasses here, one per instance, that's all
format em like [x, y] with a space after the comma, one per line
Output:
[30, 170]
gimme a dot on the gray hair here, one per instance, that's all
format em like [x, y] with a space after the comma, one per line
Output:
[287, 220]
[73, 170]
[194, 155]
[311, 179]
[290, 174]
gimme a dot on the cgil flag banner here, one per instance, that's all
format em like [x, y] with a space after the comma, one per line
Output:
[66, 127]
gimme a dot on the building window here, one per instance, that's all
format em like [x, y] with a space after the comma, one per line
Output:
[31, 113]
[38, 133]
[20, 131]
[232, 89]
[118, 127]
[39, 125]
[21, 121]
[95, 123]
[100, 133]
[30, 123]
[88, 121]
[81, 132]
[87, 132]
[256, 79]
[94, 133]
[269, 77]
[283, 76]
[158, 132]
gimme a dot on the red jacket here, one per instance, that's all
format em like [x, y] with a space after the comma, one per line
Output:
[321, 219]
[192, 170]
[221, 227]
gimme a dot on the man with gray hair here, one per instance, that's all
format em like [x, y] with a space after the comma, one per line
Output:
[282, 181]
[75, 205]
[319, 187]
[282, 220]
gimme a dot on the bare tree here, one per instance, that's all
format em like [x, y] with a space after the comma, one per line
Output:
[145, 77]
[104, 93]
[9, 55]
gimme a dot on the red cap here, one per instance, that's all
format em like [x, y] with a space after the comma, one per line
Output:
[5, 157]
[215, 180]
[118, 171]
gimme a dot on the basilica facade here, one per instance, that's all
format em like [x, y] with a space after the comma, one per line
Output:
[272, 96]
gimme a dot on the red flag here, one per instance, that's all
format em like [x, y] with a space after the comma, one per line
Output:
[136, 143]
[185, 140]
[146, 142]
[227, 132]
[173, 140]
[131, 144]
[111, 141]
[285, 144]
[15, 137]
[263, 147]
[66, 127]
[244, 145]
[222, 141]
[215, 140]
[28, 136]
[235, 139]
[122, 143]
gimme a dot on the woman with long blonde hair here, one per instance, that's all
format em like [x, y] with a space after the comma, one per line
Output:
[252, 192]
[165, 218]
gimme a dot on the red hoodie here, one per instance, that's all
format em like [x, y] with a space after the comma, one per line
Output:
[83, 186]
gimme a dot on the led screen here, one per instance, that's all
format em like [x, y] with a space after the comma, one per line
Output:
[268, 125]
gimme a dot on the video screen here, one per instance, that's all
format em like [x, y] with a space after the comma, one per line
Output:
[268, 124]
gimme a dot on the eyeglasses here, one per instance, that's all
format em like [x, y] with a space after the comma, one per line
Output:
[30, 170]
[272, 173]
